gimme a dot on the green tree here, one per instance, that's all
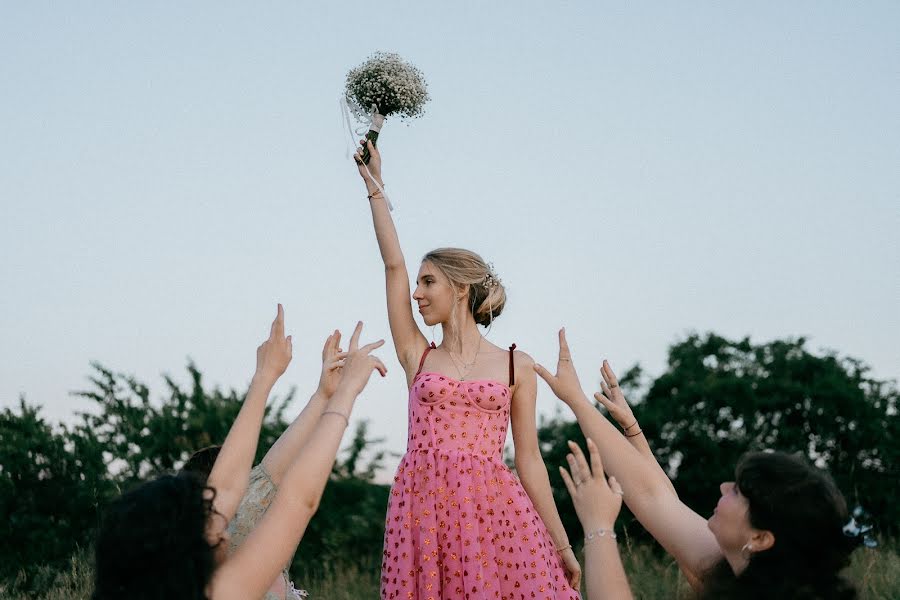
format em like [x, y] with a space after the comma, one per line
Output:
[53, 481]
[720, 398]
[144, 437]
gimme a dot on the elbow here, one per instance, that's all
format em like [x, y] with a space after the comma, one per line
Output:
[526, 462]
[311, 504]
[394, 265]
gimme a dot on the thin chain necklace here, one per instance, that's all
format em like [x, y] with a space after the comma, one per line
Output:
[466, 367]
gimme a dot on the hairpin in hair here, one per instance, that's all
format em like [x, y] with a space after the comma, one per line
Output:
[490, 279]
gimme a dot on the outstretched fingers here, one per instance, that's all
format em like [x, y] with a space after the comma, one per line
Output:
[605, 401]
[277, 329]
[564, 353]
[596, 461]
[567, 479]
[545, 374]
[354, 339]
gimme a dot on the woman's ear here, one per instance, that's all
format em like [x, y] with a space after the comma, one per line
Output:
[762, 539]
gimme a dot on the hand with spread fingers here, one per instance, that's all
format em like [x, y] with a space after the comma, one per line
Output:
[597, 501]
[274, 355]
[613, 400]
[359, 364]
[565, 383]
[332, 363]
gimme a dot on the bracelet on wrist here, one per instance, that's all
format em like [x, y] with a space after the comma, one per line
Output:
[564, 548]
[636, 433]
[630, 426]
[340, 414]
[598, 533]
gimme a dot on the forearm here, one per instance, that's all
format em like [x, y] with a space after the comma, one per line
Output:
[604, 574]
[631, 468]
[385, 231]
[639, 442]
[272, 543]
[283, 452]
[230, 473]
[308, 473]
[533, 474]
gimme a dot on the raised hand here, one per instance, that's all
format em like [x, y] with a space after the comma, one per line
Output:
[359, 364]
[613, 399]
[597, 502]
[374, 165]
[332, 363]
[274, 355]
[565, 383]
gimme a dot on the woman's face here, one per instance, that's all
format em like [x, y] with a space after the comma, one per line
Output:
[434, 294]
[730, 522]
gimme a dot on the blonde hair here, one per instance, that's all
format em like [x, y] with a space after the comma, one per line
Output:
[465, 269]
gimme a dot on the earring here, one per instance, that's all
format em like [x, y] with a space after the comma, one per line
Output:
[747, 551]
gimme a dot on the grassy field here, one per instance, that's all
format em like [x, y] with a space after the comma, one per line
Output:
[875, 571]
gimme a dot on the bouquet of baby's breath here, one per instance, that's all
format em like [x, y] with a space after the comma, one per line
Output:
[385, 85]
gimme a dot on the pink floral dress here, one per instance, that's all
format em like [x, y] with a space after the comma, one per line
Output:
[459, 523]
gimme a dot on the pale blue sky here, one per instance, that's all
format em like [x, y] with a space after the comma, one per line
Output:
[635, 171]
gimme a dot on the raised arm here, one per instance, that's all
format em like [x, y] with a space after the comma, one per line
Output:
[530, 464]
[285, 449]
[614, 401]
[409, 342]
[248, 573]
[681, 531]
[231, 471]
[597, 503]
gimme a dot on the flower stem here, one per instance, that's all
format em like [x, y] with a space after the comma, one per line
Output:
[372, 135]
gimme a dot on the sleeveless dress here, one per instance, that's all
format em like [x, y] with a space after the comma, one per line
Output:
[459, 524]
[261, 491]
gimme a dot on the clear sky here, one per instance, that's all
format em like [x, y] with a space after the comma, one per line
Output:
[635, 171]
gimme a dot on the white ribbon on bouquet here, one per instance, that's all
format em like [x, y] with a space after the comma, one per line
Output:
[368, 123]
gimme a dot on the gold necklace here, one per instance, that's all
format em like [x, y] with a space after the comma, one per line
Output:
[466, 366]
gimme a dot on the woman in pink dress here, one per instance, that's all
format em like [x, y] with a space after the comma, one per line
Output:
[460, 524]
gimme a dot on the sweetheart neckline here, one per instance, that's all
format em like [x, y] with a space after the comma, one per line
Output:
[486, 379]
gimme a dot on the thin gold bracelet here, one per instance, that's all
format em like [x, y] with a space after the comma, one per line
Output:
[338, 413]
[564, 548]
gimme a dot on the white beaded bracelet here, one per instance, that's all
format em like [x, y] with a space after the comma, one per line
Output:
[598, 533]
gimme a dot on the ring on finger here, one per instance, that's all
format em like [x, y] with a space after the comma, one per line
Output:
[565, 359]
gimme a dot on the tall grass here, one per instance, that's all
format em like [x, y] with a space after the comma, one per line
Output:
[876, 573]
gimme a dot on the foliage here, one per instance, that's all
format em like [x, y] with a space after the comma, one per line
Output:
[144, 437]
[719, 399]
[52, 481]
[652, 576]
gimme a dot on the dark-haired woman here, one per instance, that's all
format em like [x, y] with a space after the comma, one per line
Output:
[776, 531]
[459, 523]
[167, 537]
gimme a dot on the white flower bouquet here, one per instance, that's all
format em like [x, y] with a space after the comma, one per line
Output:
[385, 85]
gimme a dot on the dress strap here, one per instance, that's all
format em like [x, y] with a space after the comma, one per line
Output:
[424, 354]
[512, 368]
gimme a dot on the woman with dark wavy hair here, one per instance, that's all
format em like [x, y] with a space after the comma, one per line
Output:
[777, 530]
[167, 538]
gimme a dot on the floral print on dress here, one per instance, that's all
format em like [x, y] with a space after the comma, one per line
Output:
[459, 523]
